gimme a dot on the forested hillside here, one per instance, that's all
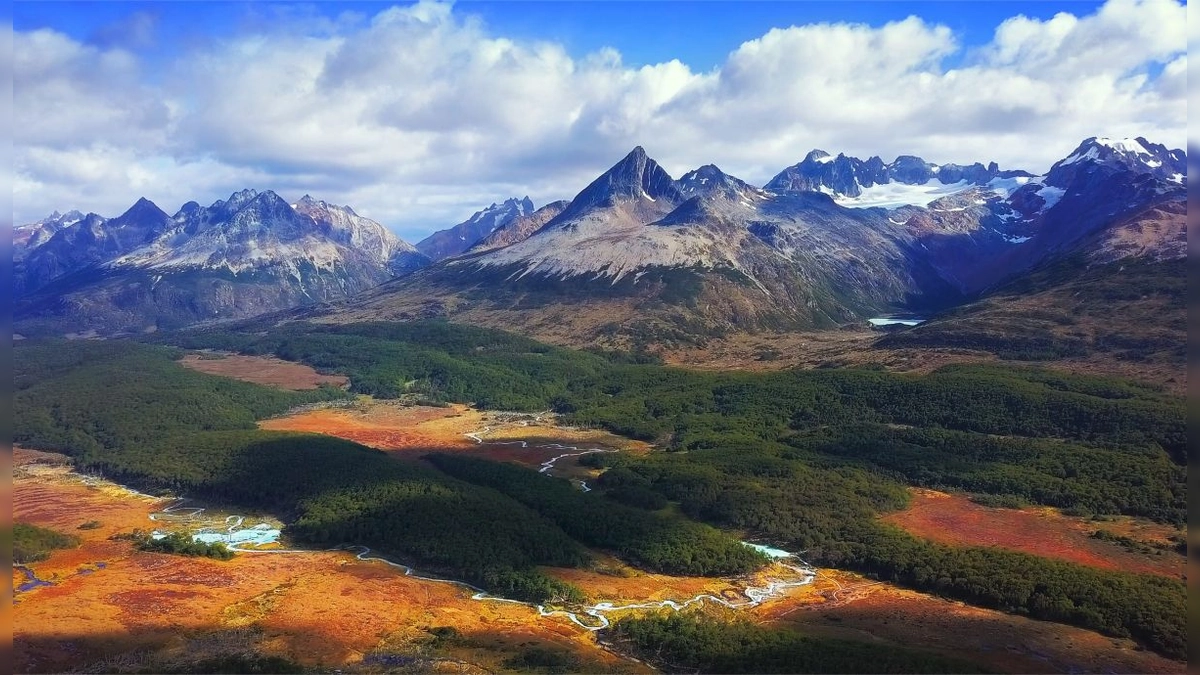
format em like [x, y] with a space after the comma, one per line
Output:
[805, 459]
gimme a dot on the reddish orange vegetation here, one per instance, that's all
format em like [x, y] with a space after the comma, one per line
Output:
[380, 425]
[846, 605]
[955, 519]
[264, 370]
[327, 609]
[613, 581]
[322, 609]
[415, 430]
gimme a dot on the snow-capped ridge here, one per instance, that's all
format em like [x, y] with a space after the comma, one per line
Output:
[458, 239]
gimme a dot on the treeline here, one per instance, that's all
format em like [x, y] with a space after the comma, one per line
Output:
[128, 412]
[178, 543]
[830, 516]
[32, 543]
[498, 370]
[98, 398]
[806, 459]
[693, 642]
[439, 361]
[656, 542]
[1068, 475]
[810, 458]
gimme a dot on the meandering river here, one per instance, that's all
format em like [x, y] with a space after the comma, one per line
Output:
[787, 573]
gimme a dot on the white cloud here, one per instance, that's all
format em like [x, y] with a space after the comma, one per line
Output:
[420, 115]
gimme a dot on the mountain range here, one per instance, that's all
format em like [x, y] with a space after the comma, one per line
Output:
[147, 270]
[639, 256]
[636, 256]
[455, 240]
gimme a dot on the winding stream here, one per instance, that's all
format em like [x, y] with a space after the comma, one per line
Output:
[593, 618]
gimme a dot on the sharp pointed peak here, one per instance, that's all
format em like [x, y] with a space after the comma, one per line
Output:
[143, 206]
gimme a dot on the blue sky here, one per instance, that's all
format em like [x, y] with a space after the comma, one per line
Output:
[419, 114]
[700, 34]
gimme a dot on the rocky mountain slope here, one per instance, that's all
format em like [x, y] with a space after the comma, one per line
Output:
[855, 182]
[32, 235]
[250, 254]
[638, 256]
[455, 240]
[520, 228]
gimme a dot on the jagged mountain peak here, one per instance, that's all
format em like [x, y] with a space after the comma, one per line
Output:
[31, 235]
[1100, 155]
[1132, 152]
[188, 209]
[143, 208]
[708, 172]
[269, 197]
[520, 228]
[457, 239]
[710, 181]
[819, 156]
[636, 177]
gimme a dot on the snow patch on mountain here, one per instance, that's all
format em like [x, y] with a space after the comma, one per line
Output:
[1051, 195]
[461, 237]
[895, 195]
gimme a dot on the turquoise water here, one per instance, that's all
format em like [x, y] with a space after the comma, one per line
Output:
[257, 536]
[771, 552]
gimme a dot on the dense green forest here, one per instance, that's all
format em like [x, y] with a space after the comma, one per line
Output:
[32, 543]
[657, 542]
[693, 642]
[178, 543]
[128, 412]
[805, 459]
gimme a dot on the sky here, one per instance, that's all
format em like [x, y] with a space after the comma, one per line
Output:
[419, 114]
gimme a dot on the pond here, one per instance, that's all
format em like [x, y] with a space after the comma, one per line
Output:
[895, 321]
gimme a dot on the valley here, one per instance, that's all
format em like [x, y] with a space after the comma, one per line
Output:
[318, 609]
[372, 614]
[549, 338]
[415, 468]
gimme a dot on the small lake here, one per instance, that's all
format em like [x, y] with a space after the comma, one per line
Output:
[895, 321]
[769, 551]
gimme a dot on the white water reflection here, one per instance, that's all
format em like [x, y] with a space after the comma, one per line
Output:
[780, 579]
[768, 551]
[894, 321]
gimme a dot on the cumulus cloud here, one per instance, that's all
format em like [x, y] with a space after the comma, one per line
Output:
[419, 115]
